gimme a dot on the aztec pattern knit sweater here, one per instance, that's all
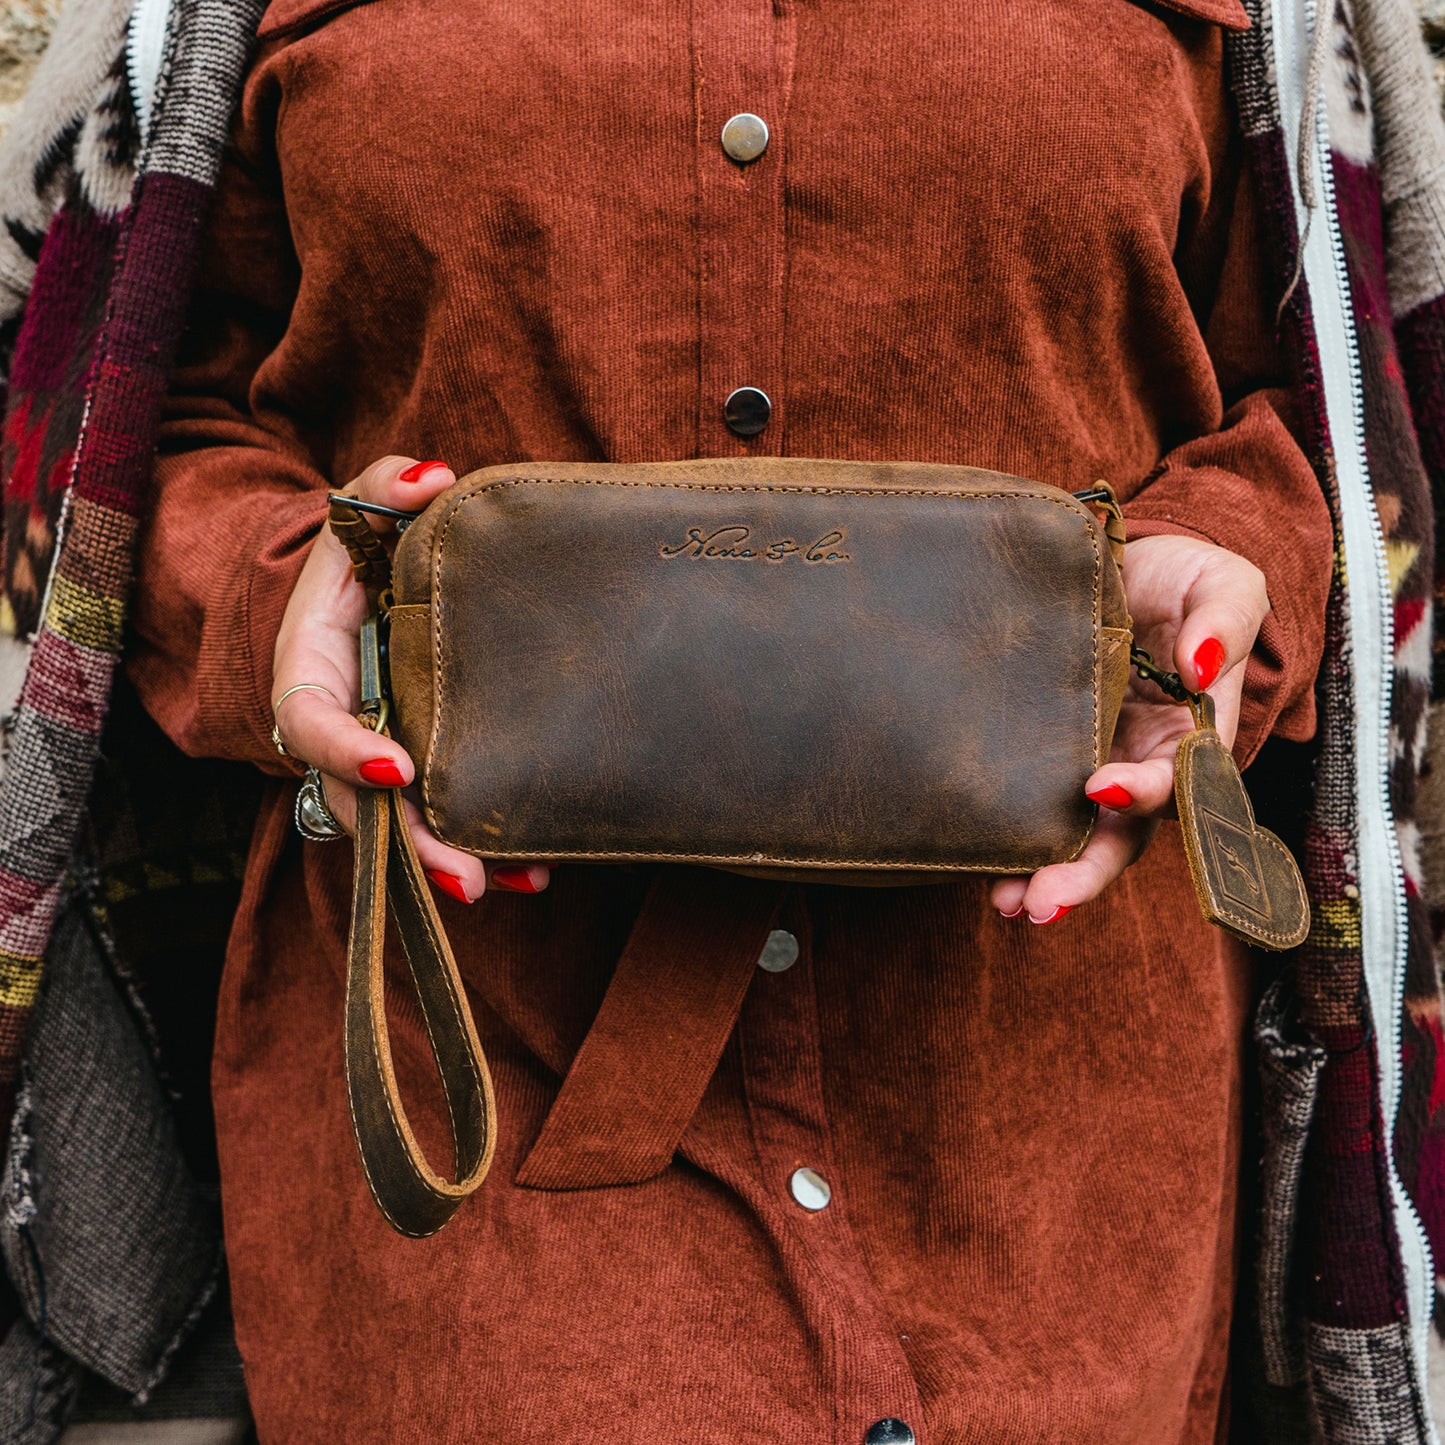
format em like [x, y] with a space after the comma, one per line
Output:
[1349, 1038]
[95, 270]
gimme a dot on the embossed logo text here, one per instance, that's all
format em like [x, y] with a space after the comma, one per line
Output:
[737, 544]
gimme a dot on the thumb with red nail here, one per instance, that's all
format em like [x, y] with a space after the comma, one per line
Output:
[315, 686]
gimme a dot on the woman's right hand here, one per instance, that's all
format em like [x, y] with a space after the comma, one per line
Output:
[317, 644]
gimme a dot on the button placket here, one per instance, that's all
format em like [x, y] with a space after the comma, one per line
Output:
[743, 63]
[781, 1066]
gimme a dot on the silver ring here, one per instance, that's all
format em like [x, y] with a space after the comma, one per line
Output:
[314, 819]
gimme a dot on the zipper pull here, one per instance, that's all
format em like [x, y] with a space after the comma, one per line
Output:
[1101, 498]
[369, 560]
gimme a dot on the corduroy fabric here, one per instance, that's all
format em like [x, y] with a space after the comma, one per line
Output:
[1388, 104]
[954, 249]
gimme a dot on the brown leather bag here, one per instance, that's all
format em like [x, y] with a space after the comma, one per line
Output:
[860, 672]
[779, 664]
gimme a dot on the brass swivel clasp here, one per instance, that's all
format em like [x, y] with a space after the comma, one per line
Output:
[375, 694]
[1200, 704]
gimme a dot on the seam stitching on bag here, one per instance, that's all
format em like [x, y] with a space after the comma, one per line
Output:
[376, 1057]
[440, 1189]
[1062, 500]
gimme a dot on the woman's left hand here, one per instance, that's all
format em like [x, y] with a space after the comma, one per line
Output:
[1202, 607]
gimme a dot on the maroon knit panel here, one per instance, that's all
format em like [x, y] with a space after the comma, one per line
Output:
[1420, 337]
[1348, 1235]
[54, 352]
[148, 310]
[1349, 1256]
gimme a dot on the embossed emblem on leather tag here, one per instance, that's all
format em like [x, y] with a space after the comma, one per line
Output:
[736, 543]
[1236, 863]
[1247, 881]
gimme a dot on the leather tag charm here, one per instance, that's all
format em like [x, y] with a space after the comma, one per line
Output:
[1247, 880]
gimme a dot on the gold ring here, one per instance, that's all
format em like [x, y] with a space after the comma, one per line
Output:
[276, 708]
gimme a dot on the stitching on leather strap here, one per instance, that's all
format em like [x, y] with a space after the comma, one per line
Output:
[374, 861]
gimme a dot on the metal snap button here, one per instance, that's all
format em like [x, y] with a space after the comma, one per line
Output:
[888, 1432]
[745, 137]
[810, 1189]
[779, 953]
[746, 411]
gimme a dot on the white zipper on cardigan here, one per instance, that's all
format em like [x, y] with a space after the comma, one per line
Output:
[1389, 1038]
[1379, 870]
[145, 45]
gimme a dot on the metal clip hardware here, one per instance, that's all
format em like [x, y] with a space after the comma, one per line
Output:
[1100, 495]
[375, 700]
[1172, 686]
[402, 519]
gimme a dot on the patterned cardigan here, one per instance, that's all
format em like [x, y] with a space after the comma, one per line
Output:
[104, 182]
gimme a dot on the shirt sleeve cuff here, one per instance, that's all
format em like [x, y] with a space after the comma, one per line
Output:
[1279, 695]
[233, 670]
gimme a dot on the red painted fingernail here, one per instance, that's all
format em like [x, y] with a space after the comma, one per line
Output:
[1111, 795]
[1014, 914]
[381, 773]
[516, 880]
[1208, 659]
[418, 470]
[1054, 917]
[449, 883]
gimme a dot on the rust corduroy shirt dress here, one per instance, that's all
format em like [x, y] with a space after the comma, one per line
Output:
[1013, 236]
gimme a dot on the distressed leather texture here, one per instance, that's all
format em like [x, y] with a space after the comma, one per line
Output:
[1246, 880]
[777, 664]
[413, 1197]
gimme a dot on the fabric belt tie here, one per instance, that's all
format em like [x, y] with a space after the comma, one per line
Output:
[646, 1061]
[635, 1082]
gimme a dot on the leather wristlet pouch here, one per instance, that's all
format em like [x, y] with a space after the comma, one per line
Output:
[820, 665]
[854, 672]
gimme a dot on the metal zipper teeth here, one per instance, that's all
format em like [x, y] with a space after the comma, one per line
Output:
[1394, 1036]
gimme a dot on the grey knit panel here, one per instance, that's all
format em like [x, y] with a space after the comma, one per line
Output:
[206, 53]
[1289, 1071]
[38, 809]
[205, 1385]
[1410, 148]
[1362, 1386]
[1252, 69]
[109, 1243]
[38, 1388]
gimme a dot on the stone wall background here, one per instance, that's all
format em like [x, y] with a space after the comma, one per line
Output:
[24, 29]
[1432, 14]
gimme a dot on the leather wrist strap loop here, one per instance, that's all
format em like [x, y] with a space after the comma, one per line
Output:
[415, 1200]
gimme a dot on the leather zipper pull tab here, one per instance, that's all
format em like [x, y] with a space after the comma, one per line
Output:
[1247, 882]
[1100, 497]
[369, 561]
